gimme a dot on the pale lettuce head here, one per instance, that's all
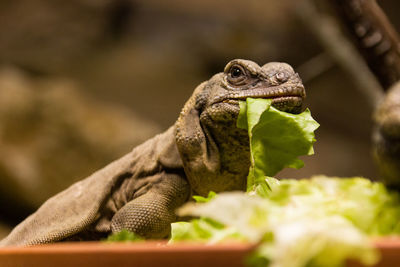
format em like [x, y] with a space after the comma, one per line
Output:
[312, 222]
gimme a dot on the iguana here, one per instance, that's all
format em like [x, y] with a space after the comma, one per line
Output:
[386, 137]
[202, 151]
[379, 44]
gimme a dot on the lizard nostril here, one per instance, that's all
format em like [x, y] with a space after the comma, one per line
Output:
[281, 76]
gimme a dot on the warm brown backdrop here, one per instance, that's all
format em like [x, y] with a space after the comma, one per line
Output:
[83, 81]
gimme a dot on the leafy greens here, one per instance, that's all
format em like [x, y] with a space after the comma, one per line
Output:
[320, 221]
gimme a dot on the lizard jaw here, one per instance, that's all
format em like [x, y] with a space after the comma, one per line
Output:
[284, 99]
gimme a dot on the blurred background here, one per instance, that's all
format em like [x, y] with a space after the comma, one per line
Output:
[84, 81]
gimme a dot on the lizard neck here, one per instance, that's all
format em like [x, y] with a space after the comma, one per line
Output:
[215, 154]
[233, 147]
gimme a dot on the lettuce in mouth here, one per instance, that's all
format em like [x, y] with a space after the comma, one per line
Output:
[320, 221]
[277, 138]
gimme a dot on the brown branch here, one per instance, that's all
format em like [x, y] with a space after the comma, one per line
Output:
[374, 35]
[326, 30]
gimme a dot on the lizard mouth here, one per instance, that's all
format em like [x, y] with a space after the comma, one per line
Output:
[288, 99]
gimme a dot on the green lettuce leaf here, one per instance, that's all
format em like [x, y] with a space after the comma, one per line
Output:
[124, 236]
[277, 138]
[203, 230]
[200, 199]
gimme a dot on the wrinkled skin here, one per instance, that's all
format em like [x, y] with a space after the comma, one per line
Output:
[202, 151]
[387, 137]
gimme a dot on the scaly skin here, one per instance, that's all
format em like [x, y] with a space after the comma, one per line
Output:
[202, 151]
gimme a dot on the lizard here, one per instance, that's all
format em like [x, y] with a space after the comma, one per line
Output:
[379, 44]
[386, 137]
[202, 151]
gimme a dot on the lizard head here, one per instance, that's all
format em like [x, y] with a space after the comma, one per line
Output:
[214, 152]
[243, 78]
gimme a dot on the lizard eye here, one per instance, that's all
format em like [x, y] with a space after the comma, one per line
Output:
[237, 75]
[236, 72]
